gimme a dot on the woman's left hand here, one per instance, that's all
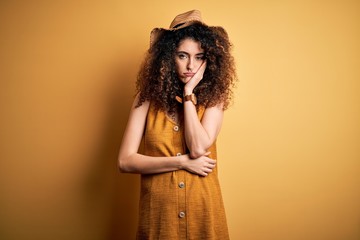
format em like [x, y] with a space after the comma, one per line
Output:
[193, 81]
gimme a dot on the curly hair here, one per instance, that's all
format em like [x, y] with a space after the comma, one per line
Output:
[158, 81]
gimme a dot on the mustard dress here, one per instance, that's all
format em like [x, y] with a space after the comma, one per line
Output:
[178, 204]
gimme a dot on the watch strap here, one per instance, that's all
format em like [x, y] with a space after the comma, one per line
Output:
[191, 98]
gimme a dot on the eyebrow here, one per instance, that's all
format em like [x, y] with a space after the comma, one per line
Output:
[183, 52]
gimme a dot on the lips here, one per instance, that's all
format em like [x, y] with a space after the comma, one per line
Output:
[189, 74]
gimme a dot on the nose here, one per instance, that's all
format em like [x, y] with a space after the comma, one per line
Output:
[190, 64]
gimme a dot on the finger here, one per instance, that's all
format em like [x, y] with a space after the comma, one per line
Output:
[211, 166]
[203, 66]
[200, 70]
[209, 170]
[212, 161]
[207, 153]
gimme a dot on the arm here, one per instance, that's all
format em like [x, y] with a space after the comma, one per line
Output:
[130, 161]
[200, 136]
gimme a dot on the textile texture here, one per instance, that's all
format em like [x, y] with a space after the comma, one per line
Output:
[178, 204]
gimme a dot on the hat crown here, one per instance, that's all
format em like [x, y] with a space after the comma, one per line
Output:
[181, 19]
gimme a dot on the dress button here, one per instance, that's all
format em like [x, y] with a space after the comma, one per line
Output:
[178, 154]
[176, 128]
[181, 214]
[181, 184]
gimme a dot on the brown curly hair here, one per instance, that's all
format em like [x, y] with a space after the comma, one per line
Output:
[157, 79]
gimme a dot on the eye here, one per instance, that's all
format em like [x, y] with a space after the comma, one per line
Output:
[182, 56]
[200, 57]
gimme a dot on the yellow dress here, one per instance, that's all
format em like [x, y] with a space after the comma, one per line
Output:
[178, 205]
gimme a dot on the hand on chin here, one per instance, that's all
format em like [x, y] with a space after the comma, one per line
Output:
[185, 80]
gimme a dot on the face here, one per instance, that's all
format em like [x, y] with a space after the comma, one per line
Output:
[188, 58]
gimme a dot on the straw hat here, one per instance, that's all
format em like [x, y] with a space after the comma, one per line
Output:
[180, 21]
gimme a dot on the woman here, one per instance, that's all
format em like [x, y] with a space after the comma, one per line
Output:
[184, 86]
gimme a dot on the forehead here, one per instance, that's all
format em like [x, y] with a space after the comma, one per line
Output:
[189, 45]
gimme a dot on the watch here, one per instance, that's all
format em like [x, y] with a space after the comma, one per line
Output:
[191, 98]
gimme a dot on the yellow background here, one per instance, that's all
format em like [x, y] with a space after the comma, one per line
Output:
[289, 150]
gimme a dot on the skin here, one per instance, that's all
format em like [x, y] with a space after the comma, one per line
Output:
[199, 136]
[189, 57]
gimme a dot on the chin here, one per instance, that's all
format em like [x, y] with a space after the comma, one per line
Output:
[183, 80]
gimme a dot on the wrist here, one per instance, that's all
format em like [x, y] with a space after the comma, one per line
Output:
[190, 98]
[182, 162]
[188, 91]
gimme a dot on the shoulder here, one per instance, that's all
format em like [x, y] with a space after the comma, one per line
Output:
[140, 106]
[217, 108]
[212, 113]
